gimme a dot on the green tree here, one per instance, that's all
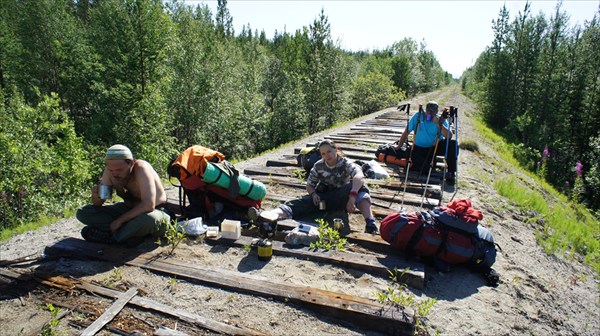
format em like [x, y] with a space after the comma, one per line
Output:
[374, 92]
[325, 81]
[45, 168]
[132, 39]
[405, 64]
[497, 101]
[540, 85]
[188, 92]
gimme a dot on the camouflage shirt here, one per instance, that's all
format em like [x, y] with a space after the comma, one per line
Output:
[335, 177]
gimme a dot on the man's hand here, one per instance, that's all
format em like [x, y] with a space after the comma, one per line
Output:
[95, 189]
[115, 225]
[350, 207]
[316, 199]
[445, 114]
[96, 200]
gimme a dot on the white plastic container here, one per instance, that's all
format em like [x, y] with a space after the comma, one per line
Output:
[231, 229]
[212, 231]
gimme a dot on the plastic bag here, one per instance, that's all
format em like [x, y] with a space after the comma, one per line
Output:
[192, 227]
[378, 170]
[303, 234]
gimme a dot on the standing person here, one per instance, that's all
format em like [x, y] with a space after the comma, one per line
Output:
[129, 221]
[337, 182]
[431, 127]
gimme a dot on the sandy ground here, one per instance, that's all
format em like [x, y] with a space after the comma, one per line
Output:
[539, 294]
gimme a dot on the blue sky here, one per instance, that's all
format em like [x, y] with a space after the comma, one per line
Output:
[455, 31]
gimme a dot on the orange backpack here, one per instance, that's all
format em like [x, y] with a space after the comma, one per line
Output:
[189, 168]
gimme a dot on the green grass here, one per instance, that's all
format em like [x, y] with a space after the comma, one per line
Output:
[469, 145]
[6, 234]
[565, 226]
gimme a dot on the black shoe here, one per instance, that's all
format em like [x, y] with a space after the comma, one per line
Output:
[492, 277]
[371, 228]
[450, 179]
[98, 236]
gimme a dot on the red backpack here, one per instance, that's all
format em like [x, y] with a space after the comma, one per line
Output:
[452, 235]
[413, 233]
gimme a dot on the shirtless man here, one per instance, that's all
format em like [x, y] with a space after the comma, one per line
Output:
[136, 217]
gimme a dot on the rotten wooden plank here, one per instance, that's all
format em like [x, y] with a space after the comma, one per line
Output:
[413, 177]
[362, 312]
[394, 132]
[364, 141]
[164, 331]
[391, 185]
[282, 163]
[383, 137]
[69, 284]
[113, 330]
[110, 313]
[372, 264]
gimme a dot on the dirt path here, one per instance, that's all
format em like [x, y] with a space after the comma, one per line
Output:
[539, 294]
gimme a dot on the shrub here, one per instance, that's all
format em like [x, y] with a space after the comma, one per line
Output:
[45, 168]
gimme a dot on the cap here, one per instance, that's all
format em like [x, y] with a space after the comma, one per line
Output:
[118, 152]
[432, 107]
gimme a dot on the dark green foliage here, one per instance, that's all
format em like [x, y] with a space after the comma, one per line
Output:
[539, 84]
[161, 76]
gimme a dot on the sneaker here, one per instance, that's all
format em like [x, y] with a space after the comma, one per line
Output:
[371, 227]
[98, 236]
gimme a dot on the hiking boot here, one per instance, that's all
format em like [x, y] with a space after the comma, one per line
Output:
[450, 179]
[371, 227]
[492, 277]
[93, 234]
[253, 213]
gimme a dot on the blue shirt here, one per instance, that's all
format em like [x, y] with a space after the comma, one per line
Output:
[427, 133]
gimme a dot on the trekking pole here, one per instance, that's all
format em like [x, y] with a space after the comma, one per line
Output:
[444, 115]
[454, 115]
[401, 108]
[456, 131]
[409, 162]
[437, 141]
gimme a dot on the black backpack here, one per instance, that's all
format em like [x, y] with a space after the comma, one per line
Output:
[307, 158]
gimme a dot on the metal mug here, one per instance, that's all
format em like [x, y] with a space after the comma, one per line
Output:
[105, 191]
[338, 223]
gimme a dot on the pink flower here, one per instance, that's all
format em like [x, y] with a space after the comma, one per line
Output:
[545, 153]
[579, 168]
